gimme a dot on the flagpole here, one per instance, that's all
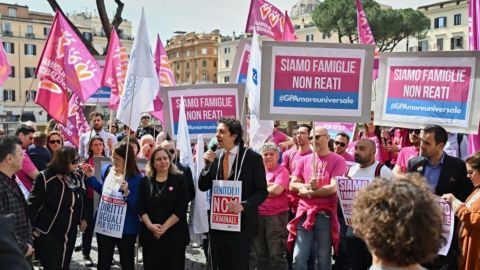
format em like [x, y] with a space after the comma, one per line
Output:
[314, 163]
[24, 103]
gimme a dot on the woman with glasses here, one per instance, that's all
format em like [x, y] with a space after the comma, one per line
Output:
[469, 215]
[162, 205]
[56, 207]
[130, 180]
[54, 141]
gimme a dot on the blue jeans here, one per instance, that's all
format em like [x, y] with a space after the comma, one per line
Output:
[319, 239]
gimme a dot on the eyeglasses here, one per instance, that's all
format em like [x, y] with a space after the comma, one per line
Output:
[75, 161]
[316, 137]
[416, 131]
[342, 144]
[55, 142]
[470, 172]
[145, 117]
[172, 151]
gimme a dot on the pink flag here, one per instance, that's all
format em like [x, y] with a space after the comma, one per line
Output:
[53, 99]
[365, 35]
[474, 44]
[5, 68]
[115, 69]
[69, 129]
[288, 29]
[66, 61]
[165, 76]
[266, 19]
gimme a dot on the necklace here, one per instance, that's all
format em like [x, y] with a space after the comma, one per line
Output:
[160, 190]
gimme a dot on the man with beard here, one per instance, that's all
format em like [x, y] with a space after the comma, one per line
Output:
[444, 174]
[408, 152]
[96, 119]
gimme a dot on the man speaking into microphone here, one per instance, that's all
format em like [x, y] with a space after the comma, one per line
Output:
[233, 167]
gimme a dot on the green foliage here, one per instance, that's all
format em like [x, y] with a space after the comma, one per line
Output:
[389, 26]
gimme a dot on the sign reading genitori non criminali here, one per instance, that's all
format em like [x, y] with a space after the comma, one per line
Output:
[316, 81]
[417, 89]
[204, 106]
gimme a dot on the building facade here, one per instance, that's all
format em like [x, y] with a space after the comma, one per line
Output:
[449, 26]
[24, 34]
[193, 57]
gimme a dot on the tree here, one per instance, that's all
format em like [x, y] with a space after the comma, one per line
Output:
[102, 13]
[389, 26]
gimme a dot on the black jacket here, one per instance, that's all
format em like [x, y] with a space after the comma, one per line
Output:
[11, 257]
[254, 186]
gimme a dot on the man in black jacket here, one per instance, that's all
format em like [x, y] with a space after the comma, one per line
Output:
[444, 174]
[10, 255]
[231, 250]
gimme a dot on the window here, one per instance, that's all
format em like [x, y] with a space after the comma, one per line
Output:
[226, 50]
[204, 51]
[325, 35]
[7, 29]
[227, 63]
[204, 63]
[440, 22]
[456, 43]
[29, 72]
[30, 49]
[439, 44]
[204, 76]
[12, 74]
[215, 63]
[46, 31]
[226, 79]
[12, 12]
[188, 65]
[457, 19]
[188, 53]
[309, 38]
[30, 95]
[88, 36]
[8, 95]
[29, 33]
[423, 46]
[9, 48]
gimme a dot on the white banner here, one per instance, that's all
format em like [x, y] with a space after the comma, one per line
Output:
[447, 225]
[347, 187]
[224, 192]
[112, 209]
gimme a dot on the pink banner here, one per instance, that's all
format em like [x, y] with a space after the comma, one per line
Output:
[474, 44]
[429, 83]
[53, 99]
[5, 68]
[288, 29]
[115, 69]
[317, 73]
[365, 35]
[336, 127]
[70, 130]
[266, 19]
[66, 61]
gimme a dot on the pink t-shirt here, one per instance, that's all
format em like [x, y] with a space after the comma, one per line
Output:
[347, 157]
[329, 166]
[278, 204]
[27, 168]
[278, 137]
[290, 158]
[405, 155]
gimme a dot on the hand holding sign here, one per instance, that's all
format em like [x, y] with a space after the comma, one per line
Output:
[234, 207]
[124, 188]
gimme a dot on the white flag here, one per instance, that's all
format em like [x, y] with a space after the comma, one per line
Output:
[200, 214]
[141, 82]
[260, 130]
[183, 139]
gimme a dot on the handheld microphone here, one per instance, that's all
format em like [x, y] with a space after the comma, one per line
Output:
[207, 162]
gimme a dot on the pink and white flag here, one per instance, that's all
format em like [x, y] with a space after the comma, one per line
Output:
[115, 69]
[66, 61]
[53, 99]
[474, 45]
[5, 68]
[70, 130]
[365, 35]
[266, 19]
[165, 77]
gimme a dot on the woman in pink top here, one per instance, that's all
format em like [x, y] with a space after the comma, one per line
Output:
[272, 233]
[374, 133]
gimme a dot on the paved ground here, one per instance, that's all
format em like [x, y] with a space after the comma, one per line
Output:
[195, 259]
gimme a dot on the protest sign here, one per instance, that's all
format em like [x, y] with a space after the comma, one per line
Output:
[306, 81]
[204, 106]
[336, 127]
[224, 192]
[240, 63]
[347, 187]
[417, 89]
[447, 225]
[112, 209]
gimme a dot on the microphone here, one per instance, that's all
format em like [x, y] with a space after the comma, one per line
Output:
[207, 162]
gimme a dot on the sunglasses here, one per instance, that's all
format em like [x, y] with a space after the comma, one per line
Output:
[75, 161]
[342, 144]
[145, 117]
[316, 137]
[416, 131]
[55, 142]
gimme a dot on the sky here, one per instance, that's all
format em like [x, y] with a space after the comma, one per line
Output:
[167, 16]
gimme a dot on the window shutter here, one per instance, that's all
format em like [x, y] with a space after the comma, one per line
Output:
[13, 95]
[452, 43]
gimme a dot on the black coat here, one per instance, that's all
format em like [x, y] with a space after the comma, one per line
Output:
[11, 257]
[254, 186]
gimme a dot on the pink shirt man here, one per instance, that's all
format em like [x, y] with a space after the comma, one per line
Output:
[27, 168]
[405, 155]
[278, 204]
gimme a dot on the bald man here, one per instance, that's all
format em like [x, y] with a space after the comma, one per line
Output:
[367, 166]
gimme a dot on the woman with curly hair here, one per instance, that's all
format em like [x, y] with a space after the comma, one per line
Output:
[400, 220]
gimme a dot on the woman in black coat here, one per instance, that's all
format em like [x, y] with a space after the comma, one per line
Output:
[162, 205]
[56, 208]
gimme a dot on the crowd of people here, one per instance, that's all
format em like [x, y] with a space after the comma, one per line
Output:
[290, 214]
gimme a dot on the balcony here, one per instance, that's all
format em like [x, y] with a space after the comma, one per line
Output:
[7, 33]
[30, 35]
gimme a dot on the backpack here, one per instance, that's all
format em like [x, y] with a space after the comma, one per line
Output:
[378, 169]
